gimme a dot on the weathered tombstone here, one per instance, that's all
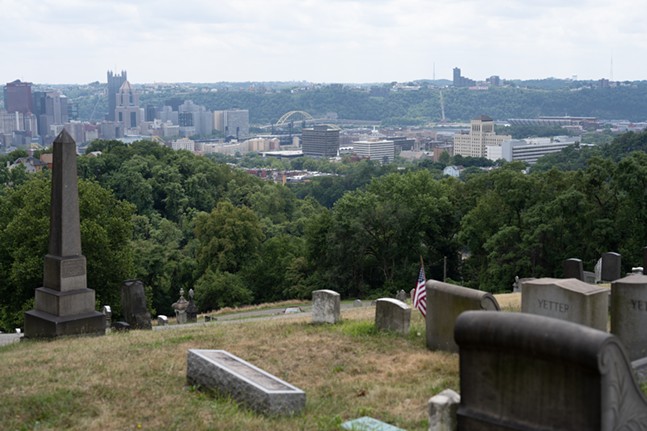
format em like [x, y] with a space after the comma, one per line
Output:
[107, 311]
[133, 305]
[401, 296]
[442, 411]
[292, 310]
[444, 303]
[326, 306]
[611, 266]
[567, 299]
[357, 303]
[191, 309]
[392, 315]
[589, 277]
[573, 268]
[527, 372]
[629, 314]
[121, 326]
[162, 320]
[180, 308]
[220, 371]
[64, 305]
[367, 423]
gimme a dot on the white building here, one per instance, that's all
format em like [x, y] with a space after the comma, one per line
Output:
[183, 144]
[531, 149]
[382, 151]
[474, 143]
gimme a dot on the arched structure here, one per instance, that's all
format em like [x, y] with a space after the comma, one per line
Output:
[288, 115]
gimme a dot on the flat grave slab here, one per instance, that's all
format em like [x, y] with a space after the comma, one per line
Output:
[368, 424]
[220, 371]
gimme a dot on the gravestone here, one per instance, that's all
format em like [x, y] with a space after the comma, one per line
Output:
[528, 372]
[220, 371]
[611, 267]
[326, 306]
[589, 277]
[107, 312]
[180, 308]
[573, 268]
[357, 303]
[567, 299]
[64, 305]
[444, 303]
[133, 305]
[442, 411]
[629, 314]
[162, 320]
[392, 315]
[401, 296]
[645, 260]
[191, 309]
[367, 423]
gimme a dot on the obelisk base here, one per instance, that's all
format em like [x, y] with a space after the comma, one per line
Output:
[39, 324]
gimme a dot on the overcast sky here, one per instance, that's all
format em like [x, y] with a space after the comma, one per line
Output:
[77, 41]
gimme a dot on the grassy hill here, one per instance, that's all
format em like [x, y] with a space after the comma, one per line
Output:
[137, 380]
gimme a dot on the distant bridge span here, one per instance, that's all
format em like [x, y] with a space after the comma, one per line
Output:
[288, 115]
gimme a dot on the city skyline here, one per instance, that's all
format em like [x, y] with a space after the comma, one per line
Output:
[360, 41]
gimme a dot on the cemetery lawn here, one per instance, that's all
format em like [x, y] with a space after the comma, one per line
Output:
[137, 380]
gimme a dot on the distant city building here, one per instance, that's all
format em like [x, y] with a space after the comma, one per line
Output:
[114, 84]
[50, 108]
[453, 171]
[320, 141]
[461, 81]
[233, 123]
[553, 121]
[128, 113]
[530, 150]
[183, 144]
[17, 97]
[382, 151]
[194, 120]
[481, 135]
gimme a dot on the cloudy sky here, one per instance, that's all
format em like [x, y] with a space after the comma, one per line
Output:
[77, 41]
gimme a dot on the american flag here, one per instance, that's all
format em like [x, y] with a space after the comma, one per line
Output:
[420, 293]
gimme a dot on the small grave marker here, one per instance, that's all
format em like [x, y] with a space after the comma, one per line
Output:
[326, 306]
[392, 315]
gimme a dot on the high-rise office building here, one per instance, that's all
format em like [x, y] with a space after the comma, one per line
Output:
[480, 136]
[50, 108]
[233, 123]
[320, 141]
[127, 111]
[382, 150]
[114, 84]
[17, 97]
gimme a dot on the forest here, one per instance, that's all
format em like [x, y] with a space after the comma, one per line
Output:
[176, 220]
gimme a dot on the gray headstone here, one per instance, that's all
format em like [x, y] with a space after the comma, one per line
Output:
[133, 305]
[357, 303]
[180, 307]
[589, 277]
[220, 371]
[442, 411]
[445, 302]
[573, 268]
[567, 299]
[392, 315]
[64, 305]
[629, 314]
[162, 320]
[611, 266]
[107, 311]
[366, 423]
[401, 296]
[527, 372]
[326, 306]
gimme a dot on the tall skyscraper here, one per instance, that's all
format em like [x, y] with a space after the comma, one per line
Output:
[114, 84]
[50, 108]
[127, 109]
[481, 135]
[233, 123]
[320, 141]
[17, 97]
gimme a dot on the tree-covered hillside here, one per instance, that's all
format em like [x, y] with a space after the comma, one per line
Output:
[176, 220]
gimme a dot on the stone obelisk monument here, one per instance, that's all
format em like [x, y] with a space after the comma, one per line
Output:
[64, 305]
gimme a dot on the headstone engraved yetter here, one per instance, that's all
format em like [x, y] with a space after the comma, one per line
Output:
[64, 305]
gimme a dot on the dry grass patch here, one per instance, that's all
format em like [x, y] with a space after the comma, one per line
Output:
[137, 380]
